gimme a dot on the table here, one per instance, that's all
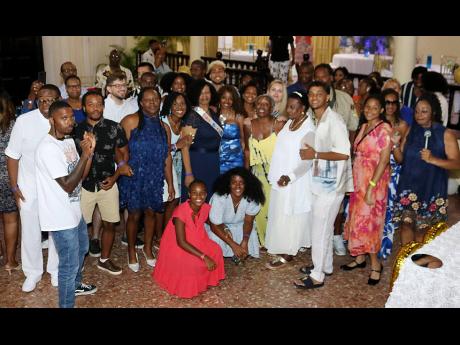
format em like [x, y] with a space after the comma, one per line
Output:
[242, 55]
[357, 63]
[421, 287]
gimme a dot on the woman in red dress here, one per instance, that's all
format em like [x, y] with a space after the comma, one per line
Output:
[188, 261]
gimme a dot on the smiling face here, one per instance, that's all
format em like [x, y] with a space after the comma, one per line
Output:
[217, 74]
[151, 102]
[322, 74]
[197, 195]
[94, 107]
[73, 88]
[205, 96]
[391, 104]
[276, 91]
[226, 102]
[423, 113]
[250, 94]
[178, 85]
[263, 107]
[45, 98]
[237, 186]
[372, 110]
[317, 97]
[179, 107]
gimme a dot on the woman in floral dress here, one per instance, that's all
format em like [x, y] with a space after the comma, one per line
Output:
[426, 155]
[371, 176]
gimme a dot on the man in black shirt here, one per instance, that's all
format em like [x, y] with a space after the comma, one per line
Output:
[278, 54]
[100, 187]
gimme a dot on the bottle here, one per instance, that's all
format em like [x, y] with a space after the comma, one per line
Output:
[428, 61]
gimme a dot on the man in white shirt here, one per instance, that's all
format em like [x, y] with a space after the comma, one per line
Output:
[27, 133]
[59, 173]
[149, 56]
[68, 69]
[330, 179]
[341, 103]
[116, 106]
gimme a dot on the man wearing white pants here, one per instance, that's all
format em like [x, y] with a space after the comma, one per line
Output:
[330, 179]
[28, 131]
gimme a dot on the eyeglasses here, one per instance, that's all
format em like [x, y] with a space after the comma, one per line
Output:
[119, 86]
[47, 101]
[391, 102]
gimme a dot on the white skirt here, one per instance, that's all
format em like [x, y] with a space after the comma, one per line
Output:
[176, 187]
[286, 234]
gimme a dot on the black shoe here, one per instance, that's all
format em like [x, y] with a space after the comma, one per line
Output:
[139, 242]
[351, 268]
[375, 281]
[308, 269]
[94, 248]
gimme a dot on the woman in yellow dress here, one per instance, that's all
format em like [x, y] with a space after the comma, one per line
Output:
[260, 136]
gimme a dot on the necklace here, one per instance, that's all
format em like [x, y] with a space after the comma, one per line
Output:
[235, 206]
[294, 126]
[175, 126]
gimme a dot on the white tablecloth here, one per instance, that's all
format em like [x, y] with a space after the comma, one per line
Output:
[242, 55]
[421, 287]
[356, 63]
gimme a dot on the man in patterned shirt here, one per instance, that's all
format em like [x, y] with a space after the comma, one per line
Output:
[99, 187]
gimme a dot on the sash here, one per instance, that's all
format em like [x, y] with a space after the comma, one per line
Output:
[205, 116]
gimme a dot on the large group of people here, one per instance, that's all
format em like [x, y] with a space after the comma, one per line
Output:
[207, 171]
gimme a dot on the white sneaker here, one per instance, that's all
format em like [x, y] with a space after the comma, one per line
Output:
[30, 284]
[339, 247]
[45, 244]
[54, 280]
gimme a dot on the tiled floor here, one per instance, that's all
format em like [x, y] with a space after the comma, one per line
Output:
[249, 285]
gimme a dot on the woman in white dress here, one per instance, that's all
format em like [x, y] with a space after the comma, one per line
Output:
[237, 200]
[175, 107]
[288, 227]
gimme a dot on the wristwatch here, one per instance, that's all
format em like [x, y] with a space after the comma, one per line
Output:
[316, 155]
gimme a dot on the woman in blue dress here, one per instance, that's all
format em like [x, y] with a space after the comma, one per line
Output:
[237, 200]
[399, 130]
[231, 145]
[201, 160]
[426, 154]
[150, 161]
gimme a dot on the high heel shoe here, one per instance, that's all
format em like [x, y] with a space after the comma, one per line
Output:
[134, 267]
[9, 269]
[371, 281]
[150, 262]
[351, 268]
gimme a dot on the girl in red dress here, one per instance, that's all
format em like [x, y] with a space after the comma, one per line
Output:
[188, 261]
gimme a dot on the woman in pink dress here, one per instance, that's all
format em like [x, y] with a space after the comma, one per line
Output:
[371, 176]
[188, 261]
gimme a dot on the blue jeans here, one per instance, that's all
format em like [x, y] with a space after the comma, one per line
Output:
[72, 246]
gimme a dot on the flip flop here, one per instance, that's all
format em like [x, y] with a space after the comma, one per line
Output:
[307, 284]
[271, 265]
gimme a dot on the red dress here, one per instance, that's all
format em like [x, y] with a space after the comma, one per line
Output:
[179, 272]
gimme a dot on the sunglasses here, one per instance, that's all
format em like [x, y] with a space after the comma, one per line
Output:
[391, 102]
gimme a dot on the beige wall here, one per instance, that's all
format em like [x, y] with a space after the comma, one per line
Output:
[86, 52]
[437, 46]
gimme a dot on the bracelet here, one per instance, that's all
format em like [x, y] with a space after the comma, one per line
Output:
[15, 189]
[372, 183]
[202, 256]
[395, 146]
[246, 236]
[121, 163]
[316, 155]
[188, 174]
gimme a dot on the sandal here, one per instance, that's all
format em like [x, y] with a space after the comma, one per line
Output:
[307, 283]
[372, 281]
[277, 263]
[357, 265]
